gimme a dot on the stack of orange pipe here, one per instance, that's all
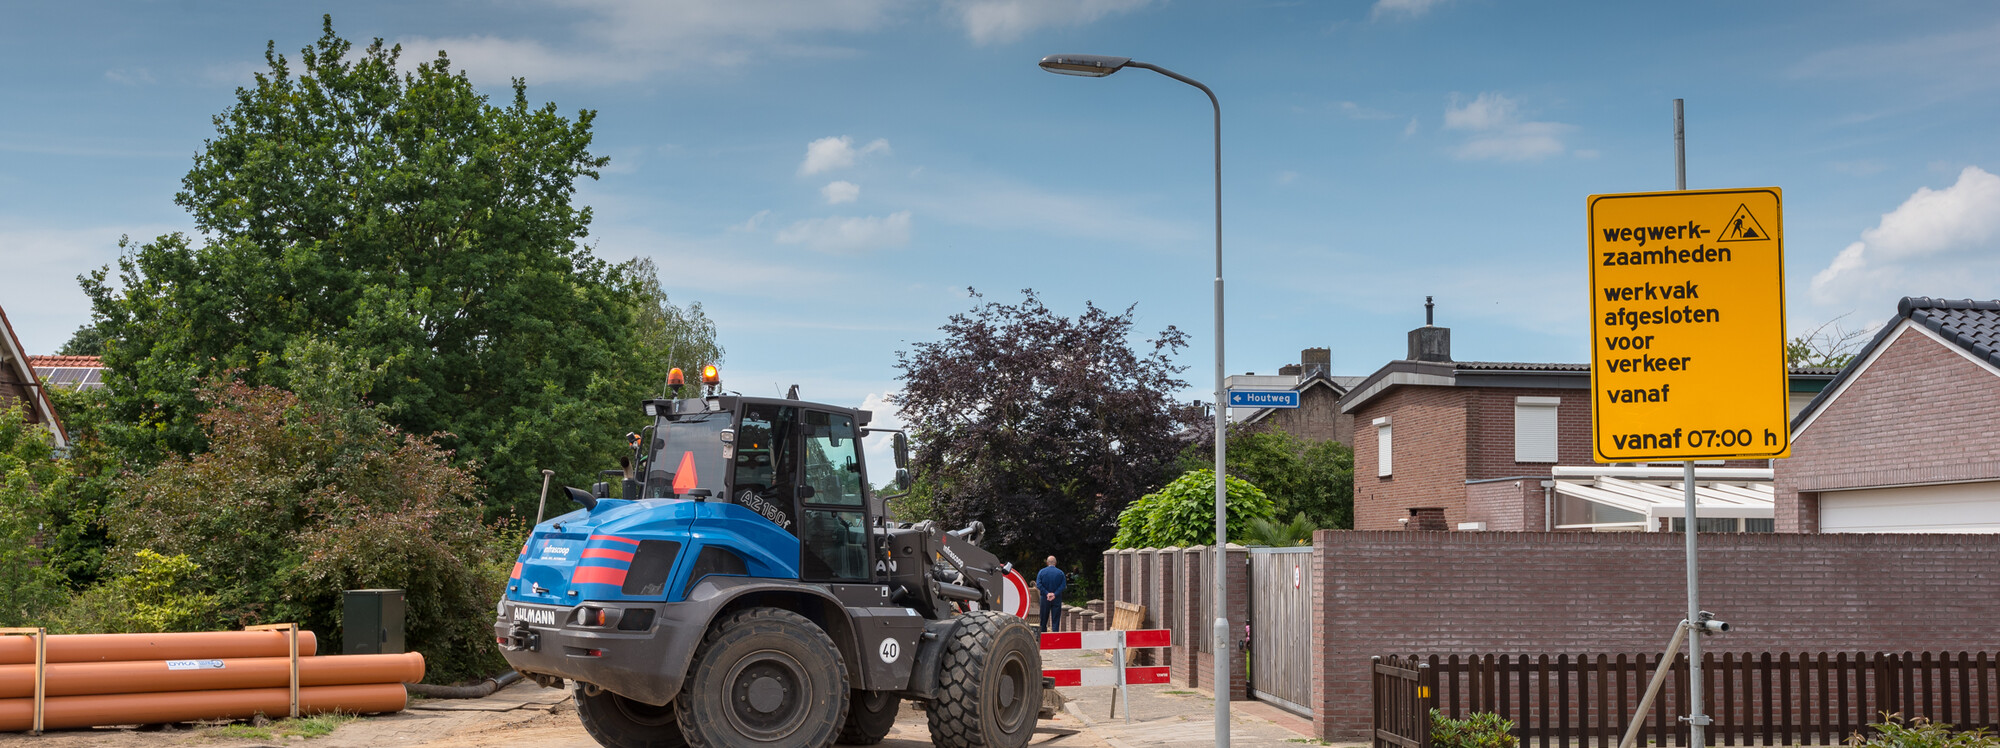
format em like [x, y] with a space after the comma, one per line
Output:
[121, 679]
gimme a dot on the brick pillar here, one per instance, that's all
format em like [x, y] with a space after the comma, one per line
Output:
[1166, 565]
[1186, 654]
[1427, 519]
[1238, 568]
[1235, 607]
[1322, 649]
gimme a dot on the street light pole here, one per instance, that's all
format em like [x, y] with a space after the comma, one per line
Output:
[1098, 66]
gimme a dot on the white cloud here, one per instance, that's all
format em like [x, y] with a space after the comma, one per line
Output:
[845, 235]
[880, 448]
[129, 76]
[1498, 133]
[43, 300]
[1950, 63]
[1403, 8]
[829, 153]
[755, 222]
[841, 191]
[1937, 243]
[615, 41]
[990, 21]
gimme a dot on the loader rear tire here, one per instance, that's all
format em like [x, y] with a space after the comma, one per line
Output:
[990, 685]
[618, 722]
[870, 716]
[763, 676]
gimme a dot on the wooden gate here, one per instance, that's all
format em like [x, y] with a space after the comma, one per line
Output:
[1281, 620]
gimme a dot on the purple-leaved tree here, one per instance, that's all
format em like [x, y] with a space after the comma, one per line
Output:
[1042, 426]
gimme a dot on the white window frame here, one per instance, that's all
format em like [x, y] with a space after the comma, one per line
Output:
[1535, 419]
[1384, 441]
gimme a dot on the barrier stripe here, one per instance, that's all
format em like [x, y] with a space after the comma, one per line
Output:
[1139, 639]
[1104, 676]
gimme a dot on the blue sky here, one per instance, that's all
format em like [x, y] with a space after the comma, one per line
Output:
[827, 176]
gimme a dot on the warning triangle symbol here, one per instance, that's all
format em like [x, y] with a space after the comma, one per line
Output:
[1743, 227]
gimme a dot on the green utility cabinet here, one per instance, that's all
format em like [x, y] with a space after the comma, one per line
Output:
[372, 622]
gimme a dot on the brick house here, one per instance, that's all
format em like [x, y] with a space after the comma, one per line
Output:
[19, 385]
[1907, 438]
[1318, 416]
[1440, 444]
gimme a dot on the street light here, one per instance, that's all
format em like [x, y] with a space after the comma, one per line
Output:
[1098, 66]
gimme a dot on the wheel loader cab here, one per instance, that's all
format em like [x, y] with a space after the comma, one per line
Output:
[797, 464]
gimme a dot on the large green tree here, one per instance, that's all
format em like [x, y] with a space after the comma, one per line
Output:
[1310, 476]
[404, 218]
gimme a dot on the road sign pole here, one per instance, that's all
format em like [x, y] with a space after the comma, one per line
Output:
[1697, 719]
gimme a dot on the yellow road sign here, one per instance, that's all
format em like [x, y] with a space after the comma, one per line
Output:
[1687, 310]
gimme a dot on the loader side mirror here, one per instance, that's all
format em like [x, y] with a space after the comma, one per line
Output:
[903, 479]
[902, 441]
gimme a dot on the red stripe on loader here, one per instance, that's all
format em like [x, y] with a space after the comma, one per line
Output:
[598, 575]
[625, 556]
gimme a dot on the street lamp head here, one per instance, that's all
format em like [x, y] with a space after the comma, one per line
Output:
[1089, 66]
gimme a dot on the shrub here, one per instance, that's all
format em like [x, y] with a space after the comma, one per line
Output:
[1183, 513]
[31, 488]
[152, 596]
[301, 496]
[1477, 730]
[1919, 732]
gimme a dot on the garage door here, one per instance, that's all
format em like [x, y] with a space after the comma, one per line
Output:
[1956, 507]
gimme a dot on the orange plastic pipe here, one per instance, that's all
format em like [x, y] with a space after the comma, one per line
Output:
[20, 650]
[87, 678]
[152, 708]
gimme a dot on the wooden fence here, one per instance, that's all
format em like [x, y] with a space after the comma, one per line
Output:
[1754, 699]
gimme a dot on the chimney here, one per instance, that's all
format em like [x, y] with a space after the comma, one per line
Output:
[1288, 370]
[1315, 361]
[1430, 342]
[1427, 519]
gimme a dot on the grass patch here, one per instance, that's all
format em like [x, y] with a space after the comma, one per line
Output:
[318, 725]
[1177, 693]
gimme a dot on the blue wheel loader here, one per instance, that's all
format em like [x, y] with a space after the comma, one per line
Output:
[747, 590]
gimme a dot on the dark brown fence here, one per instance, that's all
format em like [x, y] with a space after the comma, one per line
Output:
[1405, 694]
[1754, 699]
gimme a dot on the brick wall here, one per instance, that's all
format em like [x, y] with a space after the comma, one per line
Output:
[1920, 413]
[1506, 505]
[1317, 417]
[1490, 431]
[1428, 439]
[1549, 593]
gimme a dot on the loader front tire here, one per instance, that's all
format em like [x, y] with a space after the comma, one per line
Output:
[618, 722]
[767, 677]
[990, 686]
[870, 716]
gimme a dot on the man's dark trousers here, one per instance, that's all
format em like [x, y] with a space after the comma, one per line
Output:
[1051, 613]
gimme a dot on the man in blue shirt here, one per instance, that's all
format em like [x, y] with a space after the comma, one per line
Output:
[1050, 581]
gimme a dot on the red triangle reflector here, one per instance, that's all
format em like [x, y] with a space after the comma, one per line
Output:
[684, 476]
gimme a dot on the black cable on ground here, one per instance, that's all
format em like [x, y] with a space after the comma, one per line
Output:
[477, 690]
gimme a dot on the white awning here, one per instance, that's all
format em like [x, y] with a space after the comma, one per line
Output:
[1638, 498]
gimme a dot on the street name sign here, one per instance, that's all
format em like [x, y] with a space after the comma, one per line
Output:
[1263, 399]
[1687, 326]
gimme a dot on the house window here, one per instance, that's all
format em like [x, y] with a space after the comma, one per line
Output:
[1382, 447]
[1535, 429]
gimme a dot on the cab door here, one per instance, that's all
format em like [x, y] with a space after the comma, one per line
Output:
[833, 522]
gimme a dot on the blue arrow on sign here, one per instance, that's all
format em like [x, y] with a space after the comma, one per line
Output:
[1263, 399]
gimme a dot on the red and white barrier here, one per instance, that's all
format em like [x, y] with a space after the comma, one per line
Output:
[1118, 641]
